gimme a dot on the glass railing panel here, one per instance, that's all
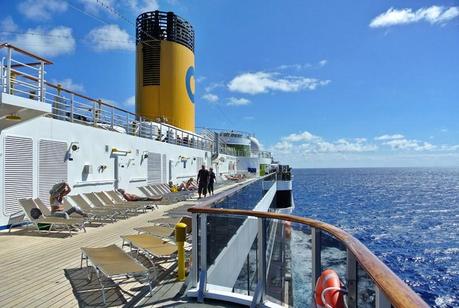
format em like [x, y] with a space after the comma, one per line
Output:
[333, 255]
[248, 277]
[288, 263]
[231, 253]
[220, 230]
[366, 292]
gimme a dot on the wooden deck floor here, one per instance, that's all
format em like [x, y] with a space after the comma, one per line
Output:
[41, 270]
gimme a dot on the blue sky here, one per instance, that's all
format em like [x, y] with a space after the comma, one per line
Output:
[321, 83]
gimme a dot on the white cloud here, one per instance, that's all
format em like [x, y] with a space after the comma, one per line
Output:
[214, 85]
[307, 143]
[390, 137]
[200, 79]
[283, 147]
[93, 7]
[41, 9]
[8, 24]
[110, 37]
[298, 66]
[141, 6]
[433, 15]
[68, 84]
[262, 82]
[56, 41]
[305, 149]
[304, 136]
[211, 98]
[130, 101]
[405, 144]
[233, 101]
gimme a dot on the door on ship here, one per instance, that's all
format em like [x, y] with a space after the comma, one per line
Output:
[121, 163]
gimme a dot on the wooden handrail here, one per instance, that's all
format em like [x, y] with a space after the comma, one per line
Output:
[399, 293]
[28, 53]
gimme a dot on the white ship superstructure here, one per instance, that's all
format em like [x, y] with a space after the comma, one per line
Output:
[51, 134]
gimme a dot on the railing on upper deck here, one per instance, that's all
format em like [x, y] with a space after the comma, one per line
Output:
[281, 256]
[28, 80]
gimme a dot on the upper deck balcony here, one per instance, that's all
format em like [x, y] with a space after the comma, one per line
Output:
[23, 79]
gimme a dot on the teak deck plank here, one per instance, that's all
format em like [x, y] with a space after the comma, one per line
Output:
[33, 266]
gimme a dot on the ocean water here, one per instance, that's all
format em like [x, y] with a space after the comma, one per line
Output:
[408, 217]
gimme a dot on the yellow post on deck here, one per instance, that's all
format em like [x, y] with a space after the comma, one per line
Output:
[180, 236]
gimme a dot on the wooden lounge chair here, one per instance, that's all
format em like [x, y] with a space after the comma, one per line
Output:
[28, 204]
[113, 262]
[165, 230]
[46, 211]
[159, 231]
[151, 245]
[169, 222]
[154, 191]
[140, 204]
[99, 204]
[100, 213]
[184, 194]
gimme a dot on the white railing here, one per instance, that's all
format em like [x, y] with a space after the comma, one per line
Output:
[28, 80]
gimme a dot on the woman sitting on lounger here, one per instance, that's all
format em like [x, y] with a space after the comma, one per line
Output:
[188, 185]
[56, 198]
[132, 197]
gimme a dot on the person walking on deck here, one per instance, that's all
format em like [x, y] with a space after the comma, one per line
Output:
[203, 180]
[212, 180]
[56, 199]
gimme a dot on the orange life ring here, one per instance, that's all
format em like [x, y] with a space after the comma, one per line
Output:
[329, 291]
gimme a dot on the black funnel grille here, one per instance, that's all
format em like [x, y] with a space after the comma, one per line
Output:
[159, 25]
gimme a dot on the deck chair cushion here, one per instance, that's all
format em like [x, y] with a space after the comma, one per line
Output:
[35, 213]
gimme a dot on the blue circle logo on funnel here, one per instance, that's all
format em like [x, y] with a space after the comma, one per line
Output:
[189, 76]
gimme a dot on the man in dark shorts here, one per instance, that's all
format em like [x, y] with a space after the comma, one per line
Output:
[210, 186]
[203, 180]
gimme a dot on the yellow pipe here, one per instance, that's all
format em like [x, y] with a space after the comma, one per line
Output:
[180, 236]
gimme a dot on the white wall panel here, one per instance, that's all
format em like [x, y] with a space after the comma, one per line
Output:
[18, 172]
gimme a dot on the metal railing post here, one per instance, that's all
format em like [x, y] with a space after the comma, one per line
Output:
[316, 251]
[127, 124]
[351, 277]
[203, 258]
[261, 264]
[8, 70]
[1, 75]
[140, 126]
[42, 82]
[151, 130]
[112, 117]
[94, 120]
[72, 97]
[194, 252]
[381, 299]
